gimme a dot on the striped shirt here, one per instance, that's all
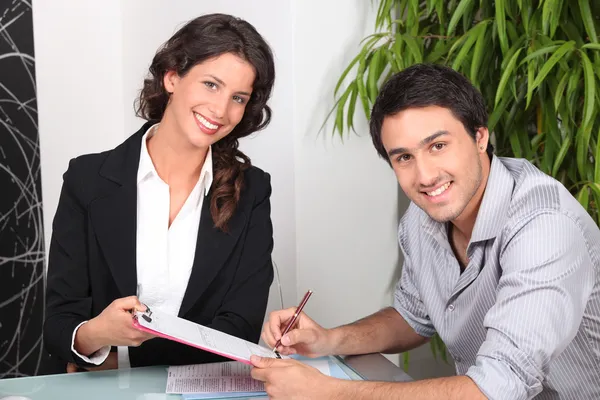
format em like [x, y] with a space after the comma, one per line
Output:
[523, 319]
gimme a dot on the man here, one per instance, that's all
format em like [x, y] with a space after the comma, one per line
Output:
[499, 259]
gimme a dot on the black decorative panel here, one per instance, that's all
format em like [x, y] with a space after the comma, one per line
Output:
[22, 257]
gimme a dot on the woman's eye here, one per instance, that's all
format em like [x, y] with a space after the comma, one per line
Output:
[239, 99]
[210, 85]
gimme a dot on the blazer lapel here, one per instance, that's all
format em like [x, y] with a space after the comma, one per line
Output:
[114, 216]
[213, 248]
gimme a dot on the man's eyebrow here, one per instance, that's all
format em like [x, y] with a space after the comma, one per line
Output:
[426, 141]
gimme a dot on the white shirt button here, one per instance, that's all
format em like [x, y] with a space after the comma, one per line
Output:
[451, 307]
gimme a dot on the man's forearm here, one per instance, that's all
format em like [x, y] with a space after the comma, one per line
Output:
[383, 332]
[456, 387]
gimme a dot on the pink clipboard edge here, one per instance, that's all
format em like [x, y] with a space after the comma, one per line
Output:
[162, 335]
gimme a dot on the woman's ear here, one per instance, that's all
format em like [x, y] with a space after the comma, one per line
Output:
[170, 81]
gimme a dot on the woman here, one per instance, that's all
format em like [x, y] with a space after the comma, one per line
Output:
[175, 217]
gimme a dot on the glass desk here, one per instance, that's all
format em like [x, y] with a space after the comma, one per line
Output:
[149, 383]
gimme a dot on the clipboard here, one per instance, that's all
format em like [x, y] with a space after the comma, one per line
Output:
[201, 337]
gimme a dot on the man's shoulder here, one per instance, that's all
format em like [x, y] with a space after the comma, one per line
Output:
[535, 191]
[537, 195]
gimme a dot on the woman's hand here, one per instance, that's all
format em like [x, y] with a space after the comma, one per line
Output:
[113, 327]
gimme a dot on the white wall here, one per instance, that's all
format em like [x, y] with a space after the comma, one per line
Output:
[346, 208]
[79, 86]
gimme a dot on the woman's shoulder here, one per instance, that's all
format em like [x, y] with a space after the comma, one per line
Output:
[257, 182]
[92, 173]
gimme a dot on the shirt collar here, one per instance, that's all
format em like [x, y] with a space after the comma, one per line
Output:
[146, 166]
[494, 205]
[492, 212]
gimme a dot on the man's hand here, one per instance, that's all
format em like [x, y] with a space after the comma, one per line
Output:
[291, 379]
[111, 362]
[306, 337]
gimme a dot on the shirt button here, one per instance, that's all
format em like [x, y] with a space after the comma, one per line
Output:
[451, 307]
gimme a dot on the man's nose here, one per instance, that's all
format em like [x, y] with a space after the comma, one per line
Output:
[427, 173]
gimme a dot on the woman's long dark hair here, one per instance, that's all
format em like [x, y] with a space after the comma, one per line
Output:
[203, 38]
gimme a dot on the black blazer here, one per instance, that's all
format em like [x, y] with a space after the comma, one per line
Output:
[92, 258]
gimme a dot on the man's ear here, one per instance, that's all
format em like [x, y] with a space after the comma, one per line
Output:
[482, 137]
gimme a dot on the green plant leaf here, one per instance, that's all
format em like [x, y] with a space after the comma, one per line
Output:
[458, 13]
[582, 149]
[513, 49]
[554, 21]
[478, 54]
[560, 90]
[345, 73]
[501, 24]
[360, 85]
[413, 47]
[505, 76]
[583, 197]
[497, 113]
[537, 53]
[373, 75]
[397, 49]
[558, 54]
[574, 81]
[547, 8]
[564, 148]
[472, 36]
[597, 159]
[515, 144]
[595, 187]
[588, 20]
[530, 80]
[339, 118]
[590, 89]
[592, 46]
[352, 106]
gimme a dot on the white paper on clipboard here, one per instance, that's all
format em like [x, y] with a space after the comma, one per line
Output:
[183, 331]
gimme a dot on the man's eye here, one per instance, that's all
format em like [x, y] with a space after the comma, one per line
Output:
[439, 146]
[403, 158]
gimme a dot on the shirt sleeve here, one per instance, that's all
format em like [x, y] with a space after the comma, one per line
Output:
[96, 358]
[547, 278]
[407, 300]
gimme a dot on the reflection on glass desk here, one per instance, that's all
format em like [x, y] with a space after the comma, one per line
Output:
[149, 383]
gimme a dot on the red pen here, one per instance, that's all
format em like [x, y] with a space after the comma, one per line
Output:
[293, 320]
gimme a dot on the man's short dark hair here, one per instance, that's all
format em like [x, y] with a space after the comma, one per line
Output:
[424, 85]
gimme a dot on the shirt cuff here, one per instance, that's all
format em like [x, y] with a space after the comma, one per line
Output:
[418, 326]
[123, 357]
[498, 381]
[97, 358]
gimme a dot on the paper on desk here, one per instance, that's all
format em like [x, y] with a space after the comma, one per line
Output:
[195, 335]
[227, 377]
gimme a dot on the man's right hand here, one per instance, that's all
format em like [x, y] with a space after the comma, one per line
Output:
[113, 327]
[306, 337]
